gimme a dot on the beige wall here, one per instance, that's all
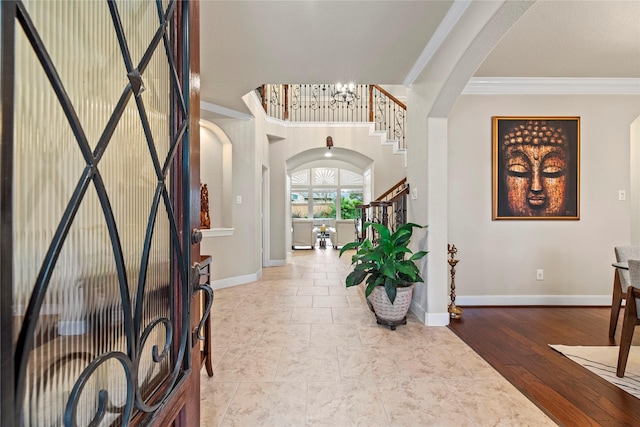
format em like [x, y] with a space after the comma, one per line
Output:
[239, 255]
[634, 193]
[388, 169]
[259, 145]
[498, 259]
[429, 103]
[212, 174]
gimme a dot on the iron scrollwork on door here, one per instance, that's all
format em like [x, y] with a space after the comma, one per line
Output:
[106, 317]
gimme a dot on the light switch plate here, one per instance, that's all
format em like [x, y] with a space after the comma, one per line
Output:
[622, 195]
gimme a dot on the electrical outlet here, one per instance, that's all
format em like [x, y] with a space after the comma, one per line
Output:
[539, 274]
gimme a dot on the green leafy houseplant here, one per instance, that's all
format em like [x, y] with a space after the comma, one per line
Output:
[382, 262]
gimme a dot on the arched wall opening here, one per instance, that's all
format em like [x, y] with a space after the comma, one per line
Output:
[216, 172]
[341, 160]
[433, 95]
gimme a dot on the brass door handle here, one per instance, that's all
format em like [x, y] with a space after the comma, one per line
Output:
[196, 273]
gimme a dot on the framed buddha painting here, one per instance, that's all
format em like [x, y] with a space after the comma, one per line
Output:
[536, 168]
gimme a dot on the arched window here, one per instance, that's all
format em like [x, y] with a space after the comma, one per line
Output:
[325, 192]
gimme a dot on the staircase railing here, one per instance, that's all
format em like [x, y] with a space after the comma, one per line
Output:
[390, 210]
[388, 113]
[319, 103]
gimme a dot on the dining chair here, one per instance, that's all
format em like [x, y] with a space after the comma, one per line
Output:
[620, 283]
[631, 318]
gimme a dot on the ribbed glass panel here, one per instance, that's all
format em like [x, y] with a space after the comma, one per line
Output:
[81, 41]
[82, 315]
[156, 98]
[140, 22]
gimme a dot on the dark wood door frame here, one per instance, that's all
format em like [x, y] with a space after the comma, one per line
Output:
[185, 411]
[7, 52]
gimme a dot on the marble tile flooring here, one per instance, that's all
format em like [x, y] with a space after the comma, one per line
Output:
[297, 348]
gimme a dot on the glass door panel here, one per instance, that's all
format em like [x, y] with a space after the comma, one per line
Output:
[299, 203]
[324, 203]
[100, 292]
[349, 198]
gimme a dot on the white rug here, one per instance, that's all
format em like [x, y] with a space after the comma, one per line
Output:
[603, 360]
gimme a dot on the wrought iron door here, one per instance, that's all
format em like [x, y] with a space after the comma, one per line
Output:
[95, 261]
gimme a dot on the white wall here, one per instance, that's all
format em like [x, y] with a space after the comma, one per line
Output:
[498, 259]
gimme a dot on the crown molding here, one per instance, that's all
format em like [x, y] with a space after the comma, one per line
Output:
[223, 111]
[551, 86]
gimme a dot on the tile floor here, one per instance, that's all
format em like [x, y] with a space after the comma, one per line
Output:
[297, 348]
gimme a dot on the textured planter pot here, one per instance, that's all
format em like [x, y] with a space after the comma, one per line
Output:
[387, 313]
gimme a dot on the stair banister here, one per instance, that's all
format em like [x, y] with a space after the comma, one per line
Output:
[378, 210]
[391, 97]
[395, 188]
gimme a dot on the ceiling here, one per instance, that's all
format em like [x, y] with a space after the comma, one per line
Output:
[247, 43]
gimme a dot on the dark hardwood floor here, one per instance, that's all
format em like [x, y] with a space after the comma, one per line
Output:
[515, 341]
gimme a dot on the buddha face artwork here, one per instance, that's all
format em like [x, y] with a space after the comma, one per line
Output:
[536, 168]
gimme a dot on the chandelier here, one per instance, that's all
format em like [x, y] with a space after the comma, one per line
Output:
[345, 93]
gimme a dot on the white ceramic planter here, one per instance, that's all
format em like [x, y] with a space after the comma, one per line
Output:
[385, 311]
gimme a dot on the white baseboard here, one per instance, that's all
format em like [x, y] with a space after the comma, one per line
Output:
[237, 280]
[417, 311]
[437, 319]
[577, 300]
[276, 262]
[429, 319]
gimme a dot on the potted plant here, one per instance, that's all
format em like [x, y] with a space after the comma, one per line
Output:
[389, 274]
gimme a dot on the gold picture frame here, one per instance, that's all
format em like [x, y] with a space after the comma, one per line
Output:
[536, 168]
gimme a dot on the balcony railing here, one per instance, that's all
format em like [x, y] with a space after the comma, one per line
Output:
[319, 103]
